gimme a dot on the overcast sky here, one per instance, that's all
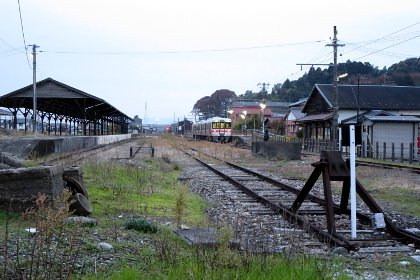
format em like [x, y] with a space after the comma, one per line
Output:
[168, 54]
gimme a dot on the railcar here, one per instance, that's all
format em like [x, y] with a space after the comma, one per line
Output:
[215, 129]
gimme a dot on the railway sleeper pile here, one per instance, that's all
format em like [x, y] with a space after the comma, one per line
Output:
[20, 186]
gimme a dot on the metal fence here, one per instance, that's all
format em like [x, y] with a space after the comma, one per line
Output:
[396, 152]
[400, 152]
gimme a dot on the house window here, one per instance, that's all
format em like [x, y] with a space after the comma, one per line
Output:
[327, 132]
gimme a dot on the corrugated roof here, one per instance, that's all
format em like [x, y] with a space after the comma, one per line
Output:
[410, 119]
[252, 111]
[298, 103]
[315, 117]
[239, 103]
[368, 113]
[383, 97]
[61, 99]
[297, 112]
[4, 112]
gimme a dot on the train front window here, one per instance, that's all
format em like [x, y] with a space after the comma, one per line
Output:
[221, 125]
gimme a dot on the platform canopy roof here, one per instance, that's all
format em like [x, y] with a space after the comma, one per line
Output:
[54, 97]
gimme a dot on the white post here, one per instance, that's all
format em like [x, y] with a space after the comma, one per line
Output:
[353, 181]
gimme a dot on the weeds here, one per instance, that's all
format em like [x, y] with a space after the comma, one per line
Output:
[180, 206]
[141, 225]
[167, 247]
[34, 254]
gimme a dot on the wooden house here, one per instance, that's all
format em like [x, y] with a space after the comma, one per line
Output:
[358, 103]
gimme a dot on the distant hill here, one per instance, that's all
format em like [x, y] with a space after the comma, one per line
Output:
[403, 73]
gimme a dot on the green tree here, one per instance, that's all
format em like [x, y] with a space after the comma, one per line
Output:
[215, 105]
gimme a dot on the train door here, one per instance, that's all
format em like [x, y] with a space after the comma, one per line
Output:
[222, 131]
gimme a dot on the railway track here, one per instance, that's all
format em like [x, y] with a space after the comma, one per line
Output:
[390, 165]
[81, 155]
[262, 195]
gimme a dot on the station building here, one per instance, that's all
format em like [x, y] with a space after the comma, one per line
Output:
[60, 110]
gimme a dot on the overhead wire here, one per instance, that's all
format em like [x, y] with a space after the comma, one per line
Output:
[396, 44]
[362, 46]
[385, 53]
[381, 38]
[182, 51]
[23, 35]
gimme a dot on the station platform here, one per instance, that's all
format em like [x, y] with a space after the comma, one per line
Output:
[31, 147]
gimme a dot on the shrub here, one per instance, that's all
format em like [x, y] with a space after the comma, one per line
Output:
[141, 225]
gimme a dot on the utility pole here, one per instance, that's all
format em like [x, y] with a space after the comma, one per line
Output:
[334, 131]
[263, 86]
[34, 86]
[334, 44]
[146, 120]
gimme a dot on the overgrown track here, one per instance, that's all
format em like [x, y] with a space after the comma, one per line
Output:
[390, 165]
[81, 155]
[278, 198]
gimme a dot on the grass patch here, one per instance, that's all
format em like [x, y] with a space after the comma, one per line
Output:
[151, 190]
[141, 225]
[241, 266]
[117, 189]
[7, 217]
[401, 199]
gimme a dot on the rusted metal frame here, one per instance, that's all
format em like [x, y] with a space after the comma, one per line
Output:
[345, 194]
[280, 209]
[137, 149]
[306, 189]
[304, 193]
[340, 209]
[328, 200]
[311, 197]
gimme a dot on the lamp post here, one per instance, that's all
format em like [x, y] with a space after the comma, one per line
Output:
[262, 106]
[335, 135]
[230, 112]
[246, 128]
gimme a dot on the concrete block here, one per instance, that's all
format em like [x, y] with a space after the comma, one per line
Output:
[20, 186]
[278, 150]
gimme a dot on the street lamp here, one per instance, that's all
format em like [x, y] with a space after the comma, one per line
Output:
[230, 112]
[262, 106]
[335, 138]
[243, 116]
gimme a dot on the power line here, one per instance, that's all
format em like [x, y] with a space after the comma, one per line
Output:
[363, 48]
[376, 51]
[185, 51]
[376, 40]
[385, 53]
[23, 35]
